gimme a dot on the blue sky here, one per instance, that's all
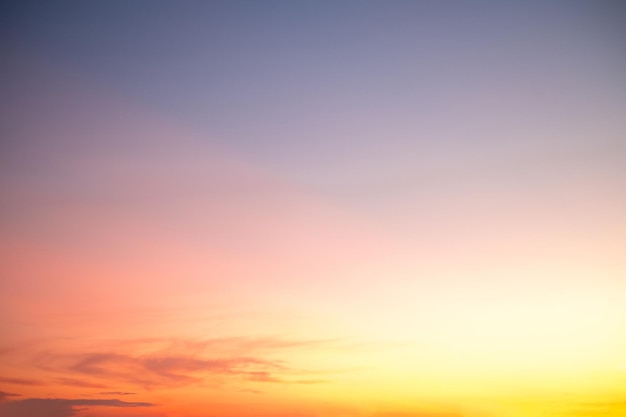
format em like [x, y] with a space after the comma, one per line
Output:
[363, 101]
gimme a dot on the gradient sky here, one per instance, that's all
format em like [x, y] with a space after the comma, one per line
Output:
[313, 208]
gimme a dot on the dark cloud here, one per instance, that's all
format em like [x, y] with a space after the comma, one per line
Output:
[58, 407]
[5, 395]
[21, 381]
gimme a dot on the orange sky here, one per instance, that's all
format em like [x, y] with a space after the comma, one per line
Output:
[152, 268]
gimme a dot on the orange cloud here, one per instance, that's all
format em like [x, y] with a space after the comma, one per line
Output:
[148, 364]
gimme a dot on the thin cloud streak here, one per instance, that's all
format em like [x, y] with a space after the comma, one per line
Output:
[116, 393]
[22, 381]
[59, 407]
[5, 395]
[74, 382]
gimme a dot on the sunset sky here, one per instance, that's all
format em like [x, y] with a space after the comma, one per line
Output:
[313, 208]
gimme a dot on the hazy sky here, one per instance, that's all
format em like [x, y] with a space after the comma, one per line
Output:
[313, 208]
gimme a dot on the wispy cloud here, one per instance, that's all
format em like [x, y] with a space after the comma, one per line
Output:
[75, 382]
[162, 370]
[59, 407]
[116, 393]
[21, 381]
[179, 363]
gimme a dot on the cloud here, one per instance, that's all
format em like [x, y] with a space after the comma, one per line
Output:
[21, 381]
[74, 382]
[5, 395]
[149, 371]
[167, 363]
[116, 393]
[58, 407]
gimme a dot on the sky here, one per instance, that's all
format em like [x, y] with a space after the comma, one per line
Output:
[313, 208]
